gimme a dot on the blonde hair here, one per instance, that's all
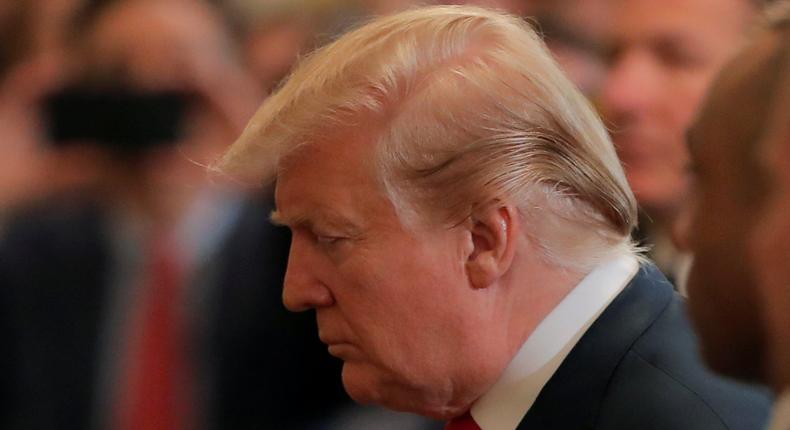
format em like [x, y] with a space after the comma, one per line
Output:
[471, 109]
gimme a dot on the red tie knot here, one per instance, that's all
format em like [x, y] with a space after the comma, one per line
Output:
[463, 422]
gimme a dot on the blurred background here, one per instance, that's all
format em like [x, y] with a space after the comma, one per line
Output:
[135, 292]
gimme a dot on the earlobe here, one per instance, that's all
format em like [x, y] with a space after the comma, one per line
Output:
[494, 232]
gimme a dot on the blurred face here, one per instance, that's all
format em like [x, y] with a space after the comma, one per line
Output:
[731, 188]
[665, 56]
[577, 33]
[393, 303]
[181, 46]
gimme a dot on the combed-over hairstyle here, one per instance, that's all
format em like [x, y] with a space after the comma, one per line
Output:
[469, 108]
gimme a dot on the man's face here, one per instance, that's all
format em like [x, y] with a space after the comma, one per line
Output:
[393, 303]
[730, 195]
[665, 55]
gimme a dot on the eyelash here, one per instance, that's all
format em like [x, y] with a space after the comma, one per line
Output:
[327, 240]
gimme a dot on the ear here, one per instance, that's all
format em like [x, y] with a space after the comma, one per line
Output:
[494, 232]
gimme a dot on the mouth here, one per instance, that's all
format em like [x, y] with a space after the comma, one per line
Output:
[328, 339]
[338, 349]
[332, 343]
[337, 344]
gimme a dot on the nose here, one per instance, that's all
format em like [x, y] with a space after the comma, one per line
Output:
[303, 288]
[630, 87]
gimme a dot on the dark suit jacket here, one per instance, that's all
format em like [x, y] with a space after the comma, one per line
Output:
[638, 367]
[262, 366]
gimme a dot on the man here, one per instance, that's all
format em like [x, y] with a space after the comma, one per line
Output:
[738, 288]
[461, 225]
[664, 58]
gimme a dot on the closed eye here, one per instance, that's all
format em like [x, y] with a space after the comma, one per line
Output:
[328, 240]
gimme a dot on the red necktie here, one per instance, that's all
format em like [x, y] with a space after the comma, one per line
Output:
[154, 398]
[463, 422]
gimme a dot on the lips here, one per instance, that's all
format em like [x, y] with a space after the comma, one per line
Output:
[329, 328]
[330, 339]
[339, 350]
[330, 334]
[337, 346]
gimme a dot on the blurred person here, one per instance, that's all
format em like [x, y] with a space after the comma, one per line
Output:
[22, 80]
[664, 57]
[574, 30]
[738, 288]
[17, 156]
[462, 227]
[35, 36]
[145, 298]
[273, 34]
[274, 46]
[771, 244]
[577, 33]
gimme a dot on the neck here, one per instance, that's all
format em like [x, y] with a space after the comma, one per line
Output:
[535, 295]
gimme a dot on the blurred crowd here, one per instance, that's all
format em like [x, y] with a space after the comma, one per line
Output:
[138, 292]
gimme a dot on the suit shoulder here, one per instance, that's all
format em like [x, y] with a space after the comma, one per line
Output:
[62, 229]
[663, 377]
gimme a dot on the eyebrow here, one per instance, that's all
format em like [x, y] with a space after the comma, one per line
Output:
[306, 220]
[277, 218]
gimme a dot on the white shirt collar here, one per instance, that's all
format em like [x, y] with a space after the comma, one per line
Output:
[507, 402]
[780, 417]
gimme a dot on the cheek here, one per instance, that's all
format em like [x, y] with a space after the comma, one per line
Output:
[402, 298]
[681, 107]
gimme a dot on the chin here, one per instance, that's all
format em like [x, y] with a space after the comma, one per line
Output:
[363, 384]
[366, 385]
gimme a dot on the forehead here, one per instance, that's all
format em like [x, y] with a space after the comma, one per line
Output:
[703, 20]
[336, 172]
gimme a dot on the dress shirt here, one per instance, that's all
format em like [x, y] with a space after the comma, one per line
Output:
[508, 401]
[780, 418]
